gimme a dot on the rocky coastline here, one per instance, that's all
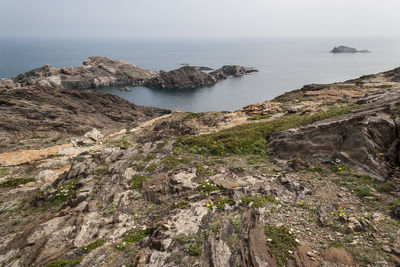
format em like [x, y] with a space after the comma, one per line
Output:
[98, 72]
[310, 178]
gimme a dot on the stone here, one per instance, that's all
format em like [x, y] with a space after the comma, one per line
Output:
[95, 135]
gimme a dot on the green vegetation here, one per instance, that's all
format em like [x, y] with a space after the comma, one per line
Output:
[341, 169]
[207, 187]
[202, 171]
[136, 181]
[93, 245]
[123, 143]
[249, 138]
[363, 191]
[315, 168]
[64, 263]
[16, 182]
[282, 242]
[195, 249]
[192, 116]
[182, 205]
[220, 202]
[16, 222]
[111, 209]
[135, 236]
[151, 167]
[385, 86]
[171, 161]
[193, 244]
[65, 192]
[259, 117]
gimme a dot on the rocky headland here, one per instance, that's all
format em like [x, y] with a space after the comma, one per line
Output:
[98, 72]
[346, 49]
[310, 178]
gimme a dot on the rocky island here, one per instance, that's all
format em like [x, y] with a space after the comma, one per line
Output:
[346, 49]
[310, 178]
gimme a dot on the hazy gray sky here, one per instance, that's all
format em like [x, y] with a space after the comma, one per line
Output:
[199, 18]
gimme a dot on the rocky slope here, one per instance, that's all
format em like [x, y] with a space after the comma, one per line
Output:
[33, 117]
[279, 183]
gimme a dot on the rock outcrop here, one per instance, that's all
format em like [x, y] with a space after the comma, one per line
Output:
[193, 77]
[96, 72]
[346, 49]
[184, 77]
[367, 138]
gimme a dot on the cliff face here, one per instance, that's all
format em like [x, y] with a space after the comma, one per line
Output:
[308, 179]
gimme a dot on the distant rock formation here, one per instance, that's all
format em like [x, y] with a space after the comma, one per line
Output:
[192, 77]
[96, 72]
[346, 49]
[184, 77]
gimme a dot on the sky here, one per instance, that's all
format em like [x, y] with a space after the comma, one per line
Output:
[199, 18]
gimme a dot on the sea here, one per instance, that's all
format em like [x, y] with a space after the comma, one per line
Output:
[284, 64]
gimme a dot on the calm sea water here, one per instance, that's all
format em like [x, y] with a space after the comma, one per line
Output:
[285, 64]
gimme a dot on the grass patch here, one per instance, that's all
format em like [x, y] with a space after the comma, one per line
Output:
[282, 242]
[192, 116]
[195, 249]
[171, 161]
[220, 202]
[135, 236]
[123, 144]
[182, 205]
[202, 171]
[207, 187]
[151, 167]
[341, 169]
[249, 138]
[363, 191]
[65, 192]
[93, 245]
[16, 182]
[193, 244]
[136, 181]
[385, 86]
